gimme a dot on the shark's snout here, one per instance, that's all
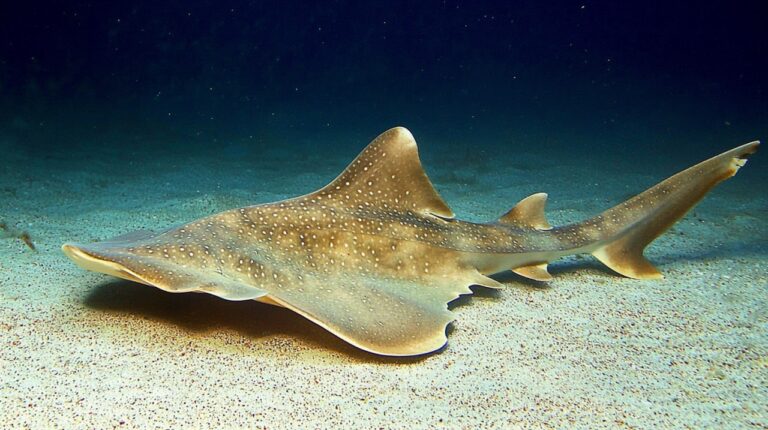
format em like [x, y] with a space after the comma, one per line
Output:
[76, 253]
[92, 261]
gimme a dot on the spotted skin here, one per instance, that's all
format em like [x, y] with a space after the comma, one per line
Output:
[374, 257]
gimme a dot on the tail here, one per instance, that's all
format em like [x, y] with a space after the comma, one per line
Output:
[624, 231]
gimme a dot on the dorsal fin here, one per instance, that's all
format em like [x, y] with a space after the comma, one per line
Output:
[529, 212]
[388, 174]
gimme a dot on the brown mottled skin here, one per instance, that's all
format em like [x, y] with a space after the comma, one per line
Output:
[376, 255]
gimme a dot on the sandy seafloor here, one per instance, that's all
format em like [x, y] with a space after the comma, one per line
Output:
[588, 350]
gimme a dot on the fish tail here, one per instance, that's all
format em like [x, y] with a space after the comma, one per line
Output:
[626, 229]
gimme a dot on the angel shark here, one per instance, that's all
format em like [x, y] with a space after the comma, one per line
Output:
[375, 256]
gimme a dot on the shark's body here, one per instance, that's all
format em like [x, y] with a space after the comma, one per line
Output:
[376, 255]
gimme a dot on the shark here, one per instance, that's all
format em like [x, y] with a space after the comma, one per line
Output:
[376, 256]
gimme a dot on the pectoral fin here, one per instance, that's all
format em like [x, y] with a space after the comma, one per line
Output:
[387, 316]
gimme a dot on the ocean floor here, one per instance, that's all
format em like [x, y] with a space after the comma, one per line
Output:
[590, 349]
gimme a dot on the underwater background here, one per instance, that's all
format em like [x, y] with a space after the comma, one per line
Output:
[603, 75]
[117, 116]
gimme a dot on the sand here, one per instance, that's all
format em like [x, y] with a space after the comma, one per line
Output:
[588, 350]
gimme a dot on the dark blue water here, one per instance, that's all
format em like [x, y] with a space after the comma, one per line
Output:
[606, 76]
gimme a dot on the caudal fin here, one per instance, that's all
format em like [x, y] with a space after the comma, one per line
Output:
[628, 228]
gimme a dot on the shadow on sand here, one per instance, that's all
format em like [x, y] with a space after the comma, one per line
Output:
[201, 313]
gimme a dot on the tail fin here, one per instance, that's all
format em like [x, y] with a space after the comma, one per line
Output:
[628, 228]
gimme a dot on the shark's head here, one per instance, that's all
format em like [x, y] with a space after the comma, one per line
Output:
[154, 259]
[91, 258]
